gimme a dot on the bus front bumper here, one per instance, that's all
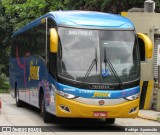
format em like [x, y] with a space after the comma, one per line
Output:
[69, 108]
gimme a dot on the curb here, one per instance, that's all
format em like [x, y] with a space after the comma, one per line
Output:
[148, 118]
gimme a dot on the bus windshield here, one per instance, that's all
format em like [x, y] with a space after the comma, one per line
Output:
[79, 47]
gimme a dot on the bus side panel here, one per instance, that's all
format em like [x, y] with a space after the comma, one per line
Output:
[49, 94]
[36, 73]
[17, 79]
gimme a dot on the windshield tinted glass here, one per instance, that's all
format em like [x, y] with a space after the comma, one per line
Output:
[80, 47]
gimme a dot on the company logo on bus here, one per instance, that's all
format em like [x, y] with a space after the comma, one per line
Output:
[101, 102]
[102, 94]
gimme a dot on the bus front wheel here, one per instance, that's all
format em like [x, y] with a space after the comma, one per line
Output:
[47, 117]
[110, 121]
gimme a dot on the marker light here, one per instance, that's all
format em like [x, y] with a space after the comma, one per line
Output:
[133, 97]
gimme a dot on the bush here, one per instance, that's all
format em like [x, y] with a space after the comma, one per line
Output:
[5, 86]
[4, 83]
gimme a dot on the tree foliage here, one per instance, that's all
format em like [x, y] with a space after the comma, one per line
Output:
[21, 12]
[109, 6]
[5, 27]
[157, 8]
[5, 32]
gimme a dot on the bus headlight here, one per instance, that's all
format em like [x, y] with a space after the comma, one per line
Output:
[63, 94]
[133, 97]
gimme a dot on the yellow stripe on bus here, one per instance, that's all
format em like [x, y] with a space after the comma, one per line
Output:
[148, 95]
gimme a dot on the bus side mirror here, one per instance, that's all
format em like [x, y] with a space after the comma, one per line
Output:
[53, 40]
[145, 40]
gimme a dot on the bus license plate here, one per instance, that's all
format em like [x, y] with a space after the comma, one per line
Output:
[100, 114]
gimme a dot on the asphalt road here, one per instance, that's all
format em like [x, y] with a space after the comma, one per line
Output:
[29, 116]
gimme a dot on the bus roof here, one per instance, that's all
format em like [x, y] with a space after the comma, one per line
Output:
[90, 19]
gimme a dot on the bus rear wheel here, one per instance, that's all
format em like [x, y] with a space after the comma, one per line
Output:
[19, 103]
[110, 121]
[47, 117]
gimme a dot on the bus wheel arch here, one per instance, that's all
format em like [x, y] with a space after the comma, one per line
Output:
[47, 117]
[15, 88]
[19, 103]
[41, 95]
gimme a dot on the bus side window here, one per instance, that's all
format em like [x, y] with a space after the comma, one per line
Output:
[32, 40]
[27, 47]
[13, 48]
[38, 41]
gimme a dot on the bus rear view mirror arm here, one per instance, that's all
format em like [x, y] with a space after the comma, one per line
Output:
[53, 40]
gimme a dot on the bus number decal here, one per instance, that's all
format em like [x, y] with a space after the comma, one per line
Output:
[80, 32]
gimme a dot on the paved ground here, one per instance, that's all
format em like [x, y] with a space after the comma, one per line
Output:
[149, 115]
[29, 116]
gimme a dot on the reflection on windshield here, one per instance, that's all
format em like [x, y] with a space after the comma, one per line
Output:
[105, 72]
[78, 52]
[119, 53]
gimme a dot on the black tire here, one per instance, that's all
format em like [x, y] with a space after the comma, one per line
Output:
[19, 103]
[41, 107]
[47, 117]
[110, 121]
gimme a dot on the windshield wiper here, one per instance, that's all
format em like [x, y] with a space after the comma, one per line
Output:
[112, 69]
[94, 61]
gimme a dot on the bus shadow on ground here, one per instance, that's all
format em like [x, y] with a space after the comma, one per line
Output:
[76, 124]
[84, 125]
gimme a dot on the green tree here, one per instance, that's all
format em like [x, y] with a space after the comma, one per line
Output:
[157, 8]
[5, 33]
[22, 12]
[110, 6]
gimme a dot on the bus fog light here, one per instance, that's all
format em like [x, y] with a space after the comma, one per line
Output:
[132, 97]
[133, 109]
[65, 108]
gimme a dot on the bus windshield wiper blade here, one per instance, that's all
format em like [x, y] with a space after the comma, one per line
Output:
[112, 70]
[94, 61]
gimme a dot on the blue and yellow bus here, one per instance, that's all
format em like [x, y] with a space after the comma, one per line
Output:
[78, 64]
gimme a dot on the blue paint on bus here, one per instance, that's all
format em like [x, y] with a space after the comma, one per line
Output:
[83, 19]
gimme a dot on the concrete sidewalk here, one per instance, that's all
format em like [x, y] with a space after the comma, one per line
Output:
[149, 115]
